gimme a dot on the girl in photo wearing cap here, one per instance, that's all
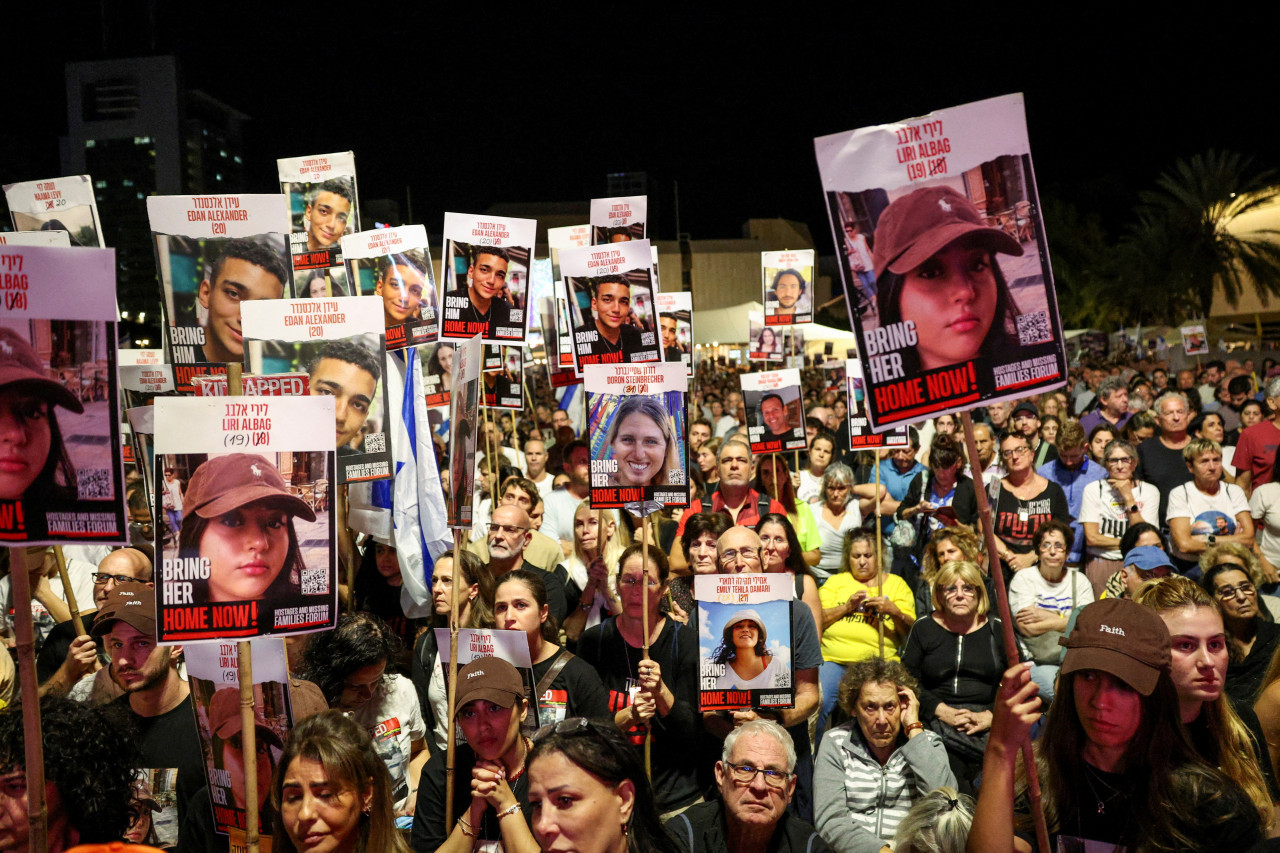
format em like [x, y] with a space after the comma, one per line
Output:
[1116, 766]
[240, 519]
[935, 263]
[491, 788]
[34, 464]
[332, 791]
[1229, 740]
[589, 792]
[744, 654]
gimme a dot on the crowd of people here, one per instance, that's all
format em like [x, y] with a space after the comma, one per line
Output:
[1136, 520]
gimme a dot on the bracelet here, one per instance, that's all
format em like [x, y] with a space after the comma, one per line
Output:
[911, 727]
[509, 810]
[585, 606]
[467, 829]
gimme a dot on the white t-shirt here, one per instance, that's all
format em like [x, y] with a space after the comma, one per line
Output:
[1029, 588]
[545, 485]
[1208, 513]
[394, 720]
[174, 489]
[810, 490]
[775, 676]
[1102, 505]
[1264, 506]
[557, 517]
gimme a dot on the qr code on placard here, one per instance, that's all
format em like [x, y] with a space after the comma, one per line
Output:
[375, 442]
[676, 476]
[1034, 329]
[315, 581]
[93, 484]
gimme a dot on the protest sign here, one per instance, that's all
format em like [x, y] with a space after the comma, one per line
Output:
[61, 479]
[510, 646]
[394, 264]
[437, 372]
[487, 263]
[775, 413]
[215, 690]
[61, 204]
[153, 808]
[36, 238]
[214, 253]
[744, 641]
[617, 220]
[464, 402]
[636, 422]
[609, 290]
[254, 550]
[764, 343]
[278, 385]
[788, 286]
[957, 308]
[126, 356]
[567, 237]
[1194, 339]
[323, 206]
[503, 369]
[338, 343]
[675, 322]
[860, 435]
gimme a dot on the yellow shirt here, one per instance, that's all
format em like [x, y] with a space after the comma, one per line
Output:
[853, 638]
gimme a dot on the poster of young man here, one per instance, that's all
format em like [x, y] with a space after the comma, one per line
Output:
[61, 479]
[675, 324]
[636, 422]
[775, 413]
[486, 273]
[860, 435]
[960, 309]
[510, 646]
[60, 204]
[337, 343]
[464, 404]
[253, 553]
[215, 689]
[617, 220]
[323, 206]
[610, 298]
[503, 369]
[394, 264]
[213, 254]
[788, 286]
[1194, 340]
[744, 641]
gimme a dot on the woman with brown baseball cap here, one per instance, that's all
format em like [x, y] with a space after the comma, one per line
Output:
[239, 517]
[33, 459]
[1116, 766]
[935, 266]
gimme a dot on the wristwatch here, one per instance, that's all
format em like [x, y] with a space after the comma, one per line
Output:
[1212, 538]
[1133, 508]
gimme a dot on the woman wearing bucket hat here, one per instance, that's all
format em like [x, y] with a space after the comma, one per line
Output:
[1116, 766]
[34, 463]
[935, 266]
[239, 517]
[744, 654]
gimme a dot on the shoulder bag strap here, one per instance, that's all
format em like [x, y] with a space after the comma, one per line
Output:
[550, 675]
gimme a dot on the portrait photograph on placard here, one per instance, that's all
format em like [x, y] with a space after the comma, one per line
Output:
[744, 641]
[503, 369]
[394, 264]
[323, 206]
[487, 265]
[636, 422]
[57, 205]
[788, 286]
[775, 411]
[957, 308]
[675, 323]
[618, 220]
[609, 292]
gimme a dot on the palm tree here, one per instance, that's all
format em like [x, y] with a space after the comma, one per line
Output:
[1182, 249]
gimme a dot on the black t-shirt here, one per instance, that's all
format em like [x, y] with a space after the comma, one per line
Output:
[477, 323]
[170, 740]
[1163, 468]
[576, 691]
[675, 737]
[556, 598]
[429, 831]
[592, 348]
[1017, 520]
[1244, 678]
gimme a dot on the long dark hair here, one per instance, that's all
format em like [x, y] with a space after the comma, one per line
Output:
[795, 558]
[474, 571]
[782, 482]
[57, 479]
[345, 750]
[725, 652]
[537, 586]
[361, 639]
[287, 583]
[601, 750]
[1002, 337]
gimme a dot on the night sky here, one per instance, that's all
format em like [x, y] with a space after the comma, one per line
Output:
[471, 104]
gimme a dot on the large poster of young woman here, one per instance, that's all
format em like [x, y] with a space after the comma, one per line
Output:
[942, 250]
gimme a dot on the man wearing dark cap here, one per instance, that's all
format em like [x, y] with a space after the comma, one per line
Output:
[1025, 421]
[156, 696]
